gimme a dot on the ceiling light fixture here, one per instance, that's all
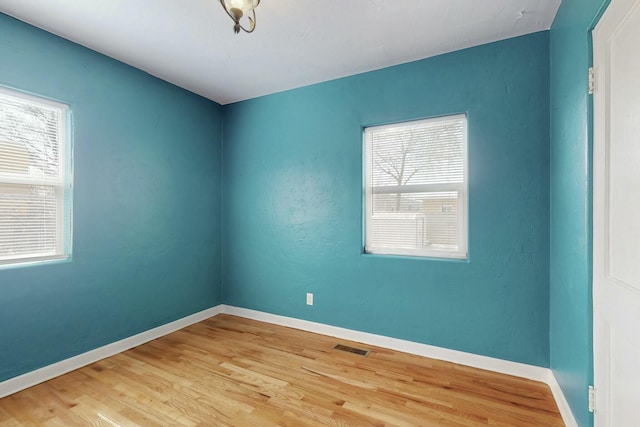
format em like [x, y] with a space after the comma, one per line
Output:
[237, 9]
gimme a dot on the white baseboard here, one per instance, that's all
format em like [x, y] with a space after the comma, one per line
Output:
[535, 373]
[561, 401]
[46, 373]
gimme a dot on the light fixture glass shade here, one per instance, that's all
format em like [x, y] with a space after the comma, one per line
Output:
[243, 5]
[239, 9]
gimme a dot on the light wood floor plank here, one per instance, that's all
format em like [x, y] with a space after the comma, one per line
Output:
[230, 371]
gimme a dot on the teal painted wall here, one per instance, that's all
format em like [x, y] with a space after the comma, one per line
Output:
[147, 238]
[570, 268]
[147, 208]
[292, 218]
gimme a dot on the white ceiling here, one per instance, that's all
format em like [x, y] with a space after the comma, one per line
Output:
[296, 42]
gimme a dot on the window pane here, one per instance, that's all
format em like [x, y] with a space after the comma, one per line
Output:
[416, 188]
[27, 220]
[427, 153]
[35, 199]
[29, 139]
[415, 221]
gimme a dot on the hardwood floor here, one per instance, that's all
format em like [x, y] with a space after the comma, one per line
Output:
[230, 371]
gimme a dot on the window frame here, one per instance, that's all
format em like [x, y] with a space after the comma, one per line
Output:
[62, 184]
[462, 188]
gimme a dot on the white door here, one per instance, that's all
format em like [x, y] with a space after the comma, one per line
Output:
[616, 216]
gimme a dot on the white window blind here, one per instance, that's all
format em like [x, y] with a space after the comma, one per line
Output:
[34, 179]
[416, 187]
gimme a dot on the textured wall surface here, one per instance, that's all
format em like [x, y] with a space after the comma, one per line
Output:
[570, 268]
[147, 241]
[146, 223]
[293, 204]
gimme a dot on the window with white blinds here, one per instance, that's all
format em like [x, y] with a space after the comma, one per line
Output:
[416, 188]
[35, 184]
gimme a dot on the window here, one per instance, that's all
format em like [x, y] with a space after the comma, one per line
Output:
[416, 188]
[35, 179]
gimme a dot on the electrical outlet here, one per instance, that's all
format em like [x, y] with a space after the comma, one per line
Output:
[309, 298]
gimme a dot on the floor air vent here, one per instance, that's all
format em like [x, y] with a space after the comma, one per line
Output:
[353, 350]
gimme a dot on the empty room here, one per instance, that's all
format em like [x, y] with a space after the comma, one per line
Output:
[319, 212]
